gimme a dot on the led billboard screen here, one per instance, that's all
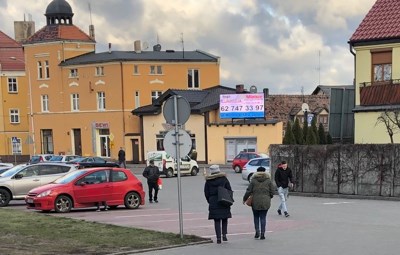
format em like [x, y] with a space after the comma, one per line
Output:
[241, 106]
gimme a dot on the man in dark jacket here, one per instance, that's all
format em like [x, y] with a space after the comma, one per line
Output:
[152, 173]
[217, 212]
[121, 157]
[283, 180]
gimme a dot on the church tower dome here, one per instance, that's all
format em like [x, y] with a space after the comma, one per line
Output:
[59, 12]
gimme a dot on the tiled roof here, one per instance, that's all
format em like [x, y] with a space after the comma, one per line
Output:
[381, 23]
[9, 48]
[51, 33]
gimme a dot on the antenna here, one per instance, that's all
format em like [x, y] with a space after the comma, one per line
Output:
[90, 13]
[319, 67]
[158, 39]
[183, 45]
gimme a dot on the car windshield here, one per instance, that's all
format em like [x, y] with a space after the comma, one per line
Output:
[79, 159]
[35, 159]
[70, 177]
[56, 158]
[12, 171]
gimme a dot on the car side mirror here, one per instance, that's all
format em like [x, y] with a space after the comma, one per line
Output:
[18, 176]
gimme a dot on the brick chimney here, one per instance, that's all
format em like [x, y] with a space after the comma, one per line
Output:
[239, 88]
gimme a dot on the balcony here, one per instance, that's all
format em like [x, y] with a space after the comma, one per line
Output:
[380, 93]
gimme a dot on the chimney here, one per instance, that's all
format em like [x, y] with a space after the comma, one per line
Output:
[266, 93]
[137, 46]
[239, 88]
[109, 47]
[91, 32]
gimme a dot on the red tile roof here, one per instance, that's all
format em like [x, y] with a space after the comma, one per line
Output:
[59, 32]
[382, 22]
[387, 94]
[9, 48]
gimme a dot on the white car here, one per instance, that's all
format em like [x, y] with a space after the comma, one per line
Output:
[251, 167]
[167, 165]
[5, 166]
[62, 158]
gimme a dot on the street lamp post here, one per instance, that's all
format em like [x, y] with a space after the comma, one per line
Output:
[30, 106]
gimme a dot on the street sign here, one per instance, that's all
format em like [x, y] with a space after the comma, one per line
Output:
[15, 139]
[182, 108]
[185, 143]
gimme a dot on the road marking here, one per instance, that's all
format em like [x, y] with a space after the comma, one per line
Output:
[337, 203]
[152, 215]
[235, 234]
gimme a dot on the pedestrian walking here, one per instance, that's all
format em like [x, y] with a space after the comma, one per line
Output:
[261, 190]
[217, 212]
[283, 180]
[152, 173]
[121, 157]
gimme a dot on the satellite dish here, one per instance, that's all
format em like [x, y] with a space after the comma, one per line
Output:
[253, 89]
[305, 108]
[145, 45]
[157, 47]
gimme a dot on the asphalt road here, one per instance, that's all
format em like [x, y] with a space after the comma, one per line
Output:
[320, 226]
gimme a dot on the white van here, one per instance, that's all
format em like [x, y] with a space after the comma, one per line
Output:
[167, 166]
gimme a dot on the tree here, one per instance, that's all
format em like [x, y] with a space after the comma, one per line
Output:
[321, 134]
[329, 139]
[289, 137]
[305, 131]
[315, 129]
[391, 122]
[298, 134]
[311, 137]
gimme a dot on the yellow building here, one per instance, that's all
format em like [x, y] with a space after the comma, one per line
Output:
[14, 103]
[376, 48]
[216, 140]
[82, 99]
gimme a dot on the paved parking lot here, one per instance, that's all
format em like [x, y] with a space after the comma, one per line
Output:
[316, 226]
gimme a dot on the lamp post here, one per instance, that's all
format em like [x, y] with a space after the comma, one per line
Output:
[30, 105]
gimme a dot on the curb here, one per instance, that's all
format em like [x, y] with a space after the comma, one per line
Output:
[162, 248]
[346, 196]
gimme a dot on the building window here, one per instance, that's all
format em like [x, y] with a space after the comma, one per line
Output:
[99, 70]
[155, 95]
[46, 69]
[381, 65]
[47, 141]
[101, 101]
[193, 79]
[74, 102]
[14, 116]
[156, 70]
[137, 99]
[160, 142]
[12, 85]
[40, 70]
[135, 69]
[45, 103]
[73, 73]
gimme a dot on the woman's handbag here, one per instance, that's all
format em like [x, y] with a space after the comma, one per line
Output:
[249, 200]
[225, 196]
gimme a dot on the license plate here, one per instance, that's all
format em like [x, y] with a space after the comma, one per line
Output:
[29, 201]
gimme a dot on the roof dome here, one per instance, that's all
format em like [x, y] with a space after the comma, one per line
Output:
[59, 12]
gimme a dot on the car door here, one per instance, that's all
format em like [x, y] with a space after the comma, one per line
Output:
[93, 187]
[118, 190]
[185, 164]
[25, 180]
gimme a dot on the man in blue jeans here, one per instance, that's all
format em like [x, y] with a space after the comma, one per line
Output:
[283, 180]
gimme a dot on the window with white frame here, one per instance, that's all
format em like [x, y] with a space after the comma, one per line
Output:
[99, 70]
[40, 70]
[73, 73]
[155, 95]
[193, 79]
[135, 69]
[137, 99]
[101, 101]
[46, 69]
[12, 85]
[74, 102]
[14, 115]
[44, 103]
[156, 70]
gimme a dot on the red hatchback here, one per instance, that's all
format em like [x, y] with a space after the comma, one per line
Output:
[242, 158]
[87, 188]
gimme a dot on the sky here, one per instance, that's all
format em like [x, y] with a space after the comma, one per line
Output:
[287, 46]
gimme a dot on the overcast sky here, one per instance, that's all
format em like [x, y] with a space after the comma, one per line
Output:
[283, 45]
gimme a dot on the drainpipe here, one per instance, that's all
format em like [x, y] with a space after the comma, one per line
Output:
[354, 84]
[123, 105]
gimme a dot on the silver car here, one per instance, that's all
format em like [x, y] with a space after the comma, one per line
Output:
[251, 167]
[17, 181]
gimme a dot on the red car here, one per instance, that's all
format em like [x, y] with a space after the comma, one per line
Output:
[242, 158]
[86, 188]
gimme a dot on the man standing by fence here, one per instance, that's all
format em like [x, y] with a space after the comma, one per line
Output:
[283, 180]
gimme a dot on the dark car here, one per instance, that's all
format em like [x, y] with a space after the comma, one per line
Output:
[85, 162]
[242, 158]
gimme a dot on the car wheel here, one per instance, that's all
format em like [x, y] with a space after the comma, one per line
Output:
[63, 204]
[194, 171]
[249, 177]
[5, 197]
[237, 169]
[169, 173]
[132, 200]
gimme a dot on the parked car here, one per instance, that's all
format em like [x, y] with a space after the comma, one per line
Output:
[84, 162]
[166, 164]
[5, 166]
[251, 167]
[86, 188]
[242, 158]
[63, 158]
[16, 182]
[40, 158]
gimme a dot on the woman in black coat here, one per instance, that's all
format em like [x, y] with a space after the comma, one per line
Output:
[217, 212]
